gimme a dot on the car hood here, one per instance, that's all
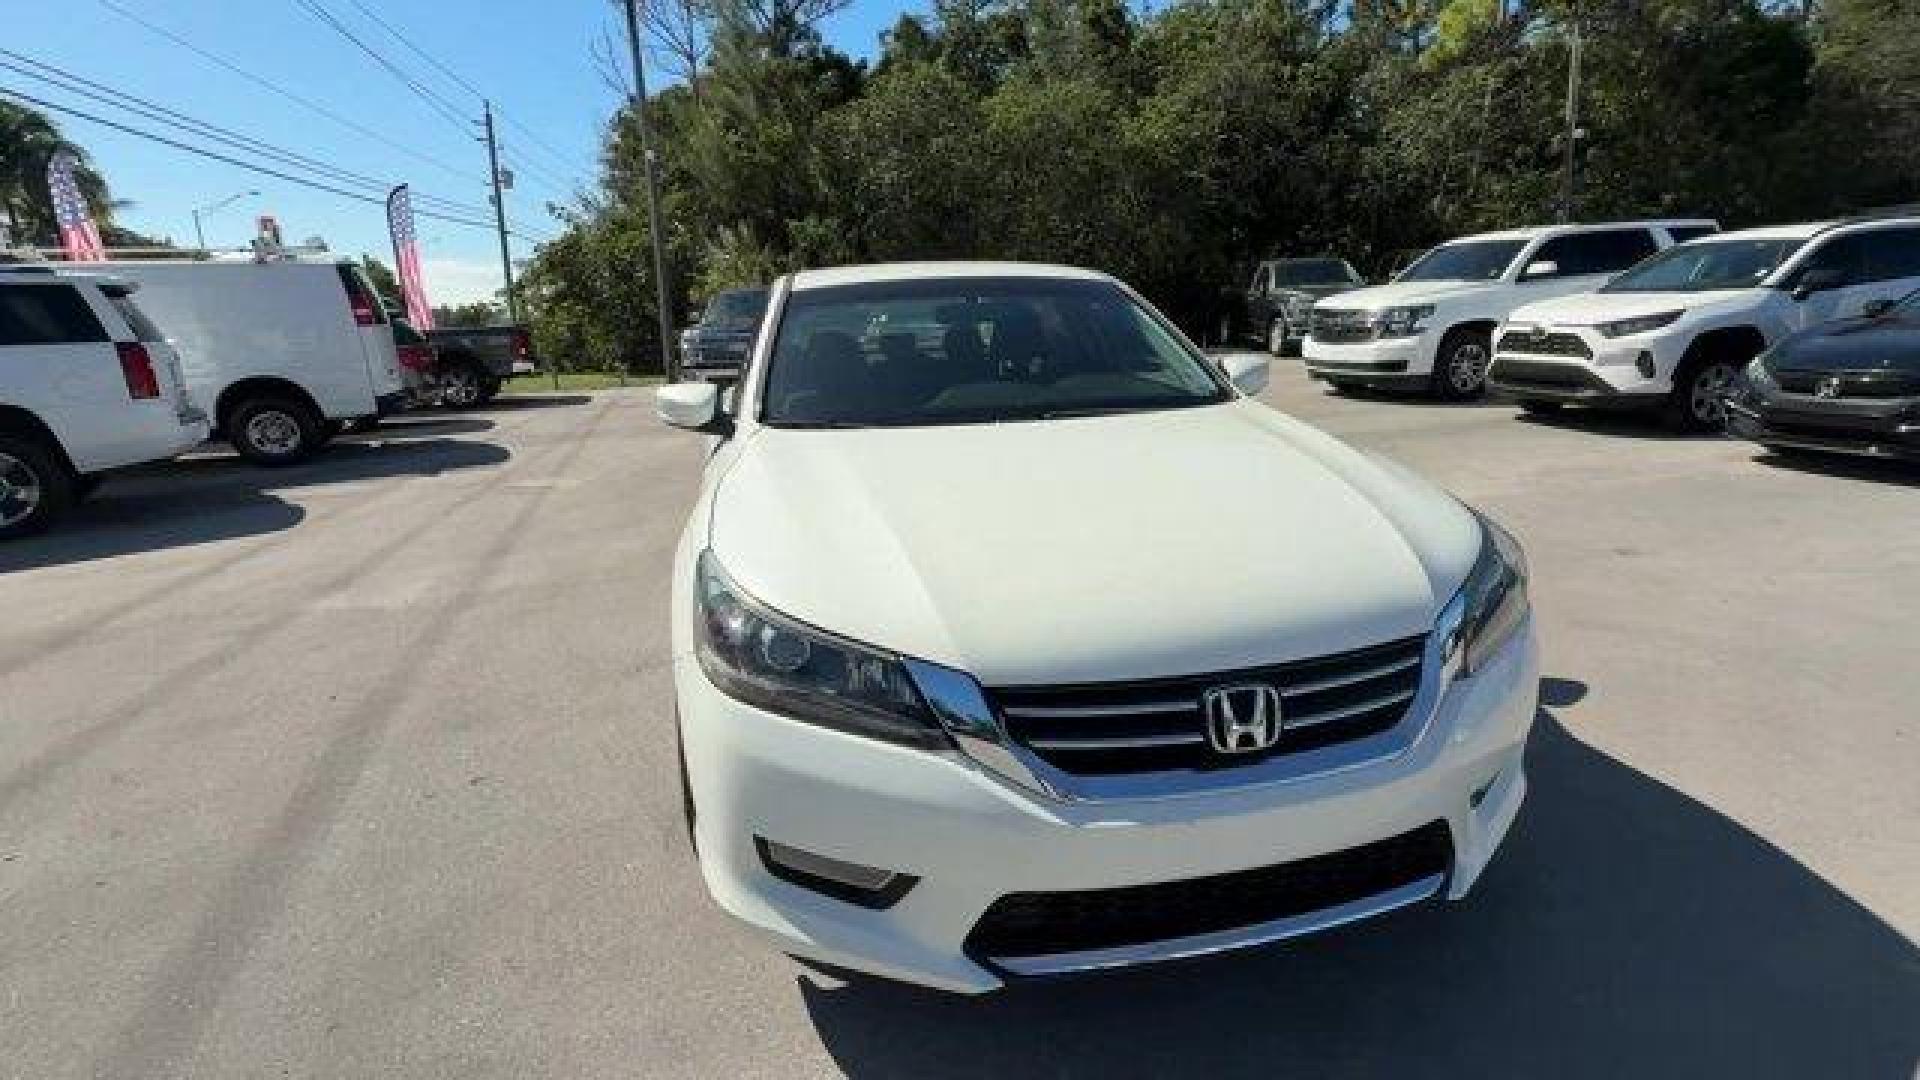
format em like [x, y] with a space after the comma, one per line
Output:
[1402, 293]
[1888, 343]
[1092, 549]
[1586, 309]
[1317, 292]
[720, 332]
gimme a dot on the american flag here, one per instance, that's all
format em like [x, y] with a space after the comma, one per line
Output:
[406, 258]
[77, 234]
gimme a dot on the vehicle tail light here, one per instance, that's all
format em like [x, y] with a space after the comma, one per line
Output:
[137, 365]
[363, 312]
[521, 346]
[416, 357]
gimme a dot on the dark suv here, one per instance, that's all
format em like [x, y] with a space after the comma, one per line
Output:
[1283, 292]
[717, 345]
[1851, 386]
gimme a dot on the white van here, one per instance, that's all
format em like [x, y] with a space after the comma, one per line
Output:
[87, 385]
[281, 353]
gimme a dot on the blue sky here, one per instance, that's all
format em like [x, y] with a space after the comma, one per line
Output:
[532, 58]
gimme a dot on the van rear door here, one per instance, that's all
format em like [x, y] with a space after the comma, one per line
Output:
[376, 337]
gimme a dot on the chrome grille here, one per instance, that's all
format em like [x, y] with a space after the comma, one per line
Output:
[1158, 725]
[1337, 327]
[1521, 341]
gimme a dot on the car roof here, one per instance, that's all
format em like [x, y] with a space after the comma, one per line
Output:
[1799, 231]
[40, 273]
[933, 271]
[1532, 231]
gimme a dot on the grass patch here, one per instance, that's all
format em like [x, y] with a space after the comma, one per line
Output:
[575, 381]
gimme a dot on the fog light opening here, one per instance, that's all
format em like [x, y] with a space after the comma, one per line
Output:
[1644, 362]
[866, 886]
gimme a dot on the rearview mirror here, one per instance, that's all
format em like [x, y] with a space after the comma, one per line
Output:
[1878, 306]
[1541, 268]
[1247, 371]
[691, 405]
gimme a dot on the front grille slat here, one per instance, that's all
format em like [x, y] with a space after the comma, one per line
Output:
[1337, 327]
[1158, 725]
[1851, 384]
[1553, 344]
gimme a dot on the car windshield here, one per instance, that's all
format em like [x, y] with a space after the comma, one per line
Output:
[1476, 260]
[1706, 264]
[975, 350]
[1299, 272]
[737, 307]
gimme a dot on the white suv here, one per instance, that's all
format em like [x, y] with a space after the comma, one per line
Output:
[87, 384]
[1672, 332]
[1432, 327]
[1012, 637]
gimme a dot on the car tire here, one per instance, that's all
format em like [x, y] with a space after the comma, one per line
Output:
[273, 432]
[35, 485]
[1460, 364]
[1696, 405]
[1536, 407]
[489, 389]
[329, 431]
[462, 386]
[1277, 337]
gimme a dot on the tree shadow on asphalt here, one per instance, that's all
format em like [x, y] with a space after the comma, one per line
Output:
[1625, 930]
[213, 497]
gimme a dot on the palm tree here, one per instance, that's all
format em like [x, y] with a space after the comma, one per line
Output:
[28, 140]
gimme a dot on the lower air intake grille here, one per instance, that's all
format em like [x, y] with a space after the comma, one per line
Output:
[1051, 923]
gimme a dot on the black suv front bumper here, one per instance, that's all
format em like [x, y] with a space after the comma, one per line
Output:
[1879, 427]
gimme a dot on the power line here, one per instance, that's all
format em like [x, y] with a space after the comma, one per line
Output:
[107, 95]
[226, 159]
[460, 80]
[544, 178]
[282, 91]
[438, 103]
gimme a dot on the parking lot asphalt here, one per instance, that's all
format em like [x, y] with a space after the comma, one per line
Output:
[366, 769]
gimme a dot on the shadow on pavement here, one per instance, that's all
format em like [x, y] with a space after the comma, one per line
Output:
[1846, 467]
[203, 499]
[424, 425]
[1620, 423]
[1625, 930]
[1416, 396]
[522, 402]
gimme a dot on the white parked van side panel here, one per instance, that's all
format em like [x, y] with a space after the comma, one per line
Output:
[235, 321]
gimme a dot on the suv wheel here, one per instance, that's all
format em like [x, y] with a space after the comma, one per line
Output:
[273, 432]
[1460, 367]
[462, 387]
[35, 487]
[1277, 336]
[1699, 396]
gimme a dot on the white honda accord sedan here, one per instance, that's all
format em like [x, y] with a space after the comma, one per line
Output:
[1012, 637]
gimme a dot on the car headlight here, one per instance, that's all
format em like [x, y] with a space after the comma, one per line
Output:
[1493, 600]
[1402, 321]
[767, 660]
[1638, 325]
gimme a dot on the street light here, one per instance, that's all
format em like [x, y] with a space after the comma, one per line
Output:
[200, 236]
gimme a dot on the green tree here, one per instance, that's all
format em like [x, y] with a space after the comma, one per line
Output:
[28, 141]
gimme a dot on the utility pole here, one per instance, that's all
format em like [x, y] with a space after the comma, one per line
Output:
[1573, 125]
[668, 366]
[499, 210]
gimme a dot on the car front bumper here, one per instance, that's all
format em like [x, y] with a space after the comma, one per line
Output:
[1629, 371]
[1381, 360]
[1883, 428]
[970, 838]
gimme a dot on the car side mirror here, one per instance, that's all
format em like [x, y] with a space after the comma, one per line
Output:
[694, 406]
[1817, 279]
[1248, 372]
[1877, 307]
[1541, 268]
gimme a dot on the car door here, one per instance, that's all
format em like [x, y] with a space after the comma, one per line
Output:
[1832, 282]
[1584, 261]
[1893, 266]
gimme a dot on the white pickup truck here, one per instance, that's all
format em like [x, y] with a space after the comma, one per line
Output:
[87, 384]
[1432, 327]
[1674, 331]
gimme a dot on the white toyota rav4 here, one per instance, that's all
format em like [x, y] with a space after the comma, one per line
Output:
[1674, 331]
[1011, 637]
[1432, 327]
